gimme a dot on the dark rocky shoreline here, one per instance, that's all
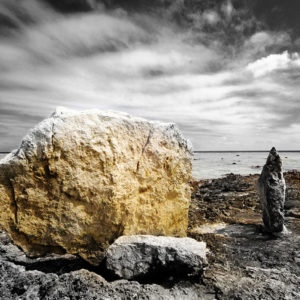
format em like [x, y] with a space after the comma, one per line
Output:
[244, 262]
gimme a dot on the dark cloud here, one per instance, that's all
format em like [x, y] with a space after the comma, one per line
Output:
[15, 15]
[70, 6]
[254, 96]
[278, 14]
[13, 86]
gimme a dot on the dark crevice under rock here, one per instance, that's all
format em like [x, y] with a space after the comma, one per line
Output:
[61, 266]
[164, 278]
[58, 264]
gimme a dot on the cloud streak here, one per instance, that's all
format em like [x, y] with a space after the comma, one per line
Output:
[225, 92]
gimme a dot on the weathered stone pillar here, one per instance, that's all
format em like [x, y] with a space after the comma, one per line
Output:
[272, 193]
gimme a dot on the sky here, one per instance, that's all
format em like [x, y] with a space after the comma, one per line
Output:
[224, 75]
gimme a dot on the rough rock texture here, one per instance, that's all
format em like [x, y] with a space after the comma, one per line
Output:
[245, 262]
[61, 277]
[146, 256]
[81, 179]
[272, 193]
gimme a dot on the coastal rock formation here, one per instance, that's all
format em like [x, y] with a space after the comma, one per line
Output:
[243, 262]
[81, 179]
[57, 277]
[18, 283]
[272, 193]
[144, 256]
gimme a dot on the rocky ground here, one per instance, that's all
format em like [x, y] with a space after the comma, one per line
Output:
[244, 262]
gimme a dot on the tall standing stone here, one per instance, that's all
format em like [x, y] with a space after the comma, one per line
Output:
[272, 193]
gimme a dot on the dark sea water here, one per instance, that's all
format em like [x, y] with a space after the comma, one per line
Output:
[208, 165]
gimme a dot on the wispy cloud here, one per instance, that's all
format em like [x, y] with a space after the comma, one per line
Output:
[225, 90]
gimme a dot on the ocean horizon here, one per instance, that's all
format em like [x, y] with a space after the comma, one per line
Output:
[216, 164]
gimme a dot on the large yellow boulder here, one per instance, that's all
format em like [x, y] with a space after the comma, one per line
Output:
[81, 179]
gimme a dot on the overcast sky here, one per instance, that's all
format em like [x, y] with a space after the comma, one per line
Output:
[221, 98]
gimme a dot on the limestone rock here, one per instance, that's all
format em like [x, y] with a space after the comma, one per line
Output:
[81, 179]
[144, 256]
[272, 193]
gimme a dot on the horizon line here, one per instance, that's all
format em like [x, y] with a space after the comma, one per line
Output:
[212, 151]
[239, 151]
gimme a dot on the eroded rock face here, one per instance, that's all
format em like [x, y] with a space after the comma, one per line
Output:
[81, 179]
[17, 283]
[144, 256]
[272, 193]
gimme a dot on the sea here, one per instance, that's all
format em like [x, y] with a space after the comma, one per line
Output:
[209, 165]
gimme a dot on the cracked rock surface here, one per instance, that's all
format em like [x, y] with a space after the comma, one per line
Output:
[59, 277]
[144, 256]
[81, 179]
[243, 261]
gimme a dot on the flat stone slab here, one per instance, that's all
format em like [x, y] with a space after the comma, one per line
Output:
[144, 256]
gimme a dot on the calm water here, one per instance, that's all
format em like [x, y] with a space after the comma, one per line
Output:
[216, 164]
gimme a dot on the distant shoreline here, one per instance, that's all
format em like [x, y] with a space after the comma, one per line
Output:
[221, 151]
[246, 151]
